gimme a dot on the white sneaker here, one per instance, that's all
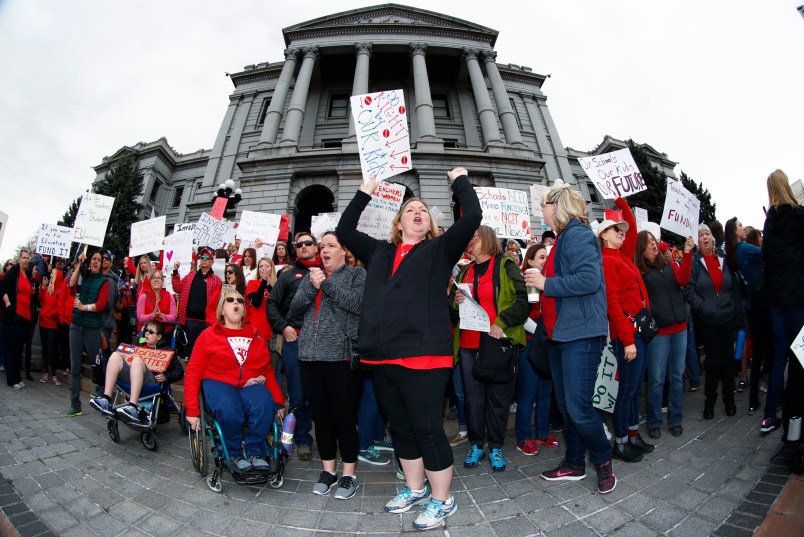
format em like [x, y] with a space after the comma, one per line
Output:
[22, 384]
[18, 386]
[45, 379]
[435, 514]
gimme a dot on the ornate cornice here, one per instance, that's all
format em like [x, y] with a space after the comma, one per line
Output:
[351, 32]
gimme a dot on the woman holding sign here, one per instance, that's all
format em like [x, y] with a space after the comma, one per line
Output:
[405, 334]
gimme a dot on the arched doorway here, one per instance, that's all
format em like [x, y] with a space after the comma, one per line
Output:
[315, 199]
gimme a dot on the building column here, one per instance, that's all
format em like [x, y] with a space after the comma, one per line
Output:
[488, 118]
[421, 82]
[360, 86]
[298, 101]
[507, 117]
[274, 114]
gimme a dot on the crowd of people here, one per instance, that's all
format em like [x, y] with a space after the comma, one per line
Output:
[363, 338]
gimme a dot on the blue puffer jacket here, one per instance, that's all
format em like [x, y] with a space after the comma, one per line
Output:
[578, 285]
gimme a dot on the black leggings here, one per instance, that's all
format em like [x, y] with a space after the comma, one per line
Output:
[50, 349]
[333, 392]
[718, 342]
[412, 401]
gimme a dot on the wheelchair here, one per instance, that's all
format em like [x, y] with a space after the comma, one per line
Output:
[152, 398]
[209, 438]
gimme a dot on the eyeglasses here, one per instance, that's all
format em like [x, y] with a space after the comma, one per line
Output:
[229, 272]
[231, 300]
[204, 257]
[304, 243]
[151, 332]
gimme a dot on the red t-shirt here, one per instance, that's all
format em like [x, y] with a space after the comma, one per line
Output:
[483, 295]
[24, 296]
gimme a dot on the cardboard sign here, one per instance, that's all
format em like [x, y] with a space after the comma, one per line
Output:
[213, 233]
[54, 240]
[218, 208]
[614, 174]
[379, 214]
[641, 217]
[156, 360]
[537, 193]
[506, 211]
[606, 385]
[263, 226]
[92, 219]
[681, 210]
[147, 236]
[381, 127]
[324, 222]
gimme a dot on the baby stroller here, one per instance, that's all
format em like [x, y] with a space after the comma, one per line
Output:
[210, 433]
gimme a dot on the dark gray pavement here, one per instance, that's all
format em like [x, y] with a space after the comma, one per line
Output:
[64, 476]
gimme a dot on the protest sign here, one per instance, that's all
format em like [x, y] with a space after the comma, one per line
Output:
[156, 360]
[3, 224]
[681, 210]
[606, 385]
[218, 208]
[186, 227]
[92, 219]
[147, 236]
[641, 217]
[323, 222]
[506, 211]
[381, 127]
[614, 174]
[213, 233]
[437, 215]
[472, 314]
[379, 214]
[263, 226]
[798, 346]
[54, 240]
[537, 193]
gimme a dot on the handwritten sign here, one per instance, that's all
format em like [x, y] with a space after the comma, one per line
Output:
[156, 360]
[506, 211]
[92, 219]
[681, 210]
[186, 227]
[614, 174]
[381, 127]
[437, 215]
[263, 226]
[606, 385]
[641, 217]
[472, 314]
[54, 240]
[798, 346]
[537, 193]
[213, 233]
[379, 214]
[177, 247]
[147, 236]
[321, 223]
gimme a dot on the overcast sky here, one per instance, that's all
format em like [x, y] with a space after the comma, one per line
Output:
[717, 85]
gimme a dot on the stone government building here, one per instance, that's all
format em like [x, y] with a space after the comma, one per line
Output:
[287, 137]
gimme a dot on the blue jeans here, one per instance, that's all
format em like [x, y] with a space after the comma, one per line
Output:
[786, 322]
[630, 375]
[370, 425]
[460, 397]
[692, 358]
[583, 429]
[666, 359]
[231, 407]
[290, 353]
[531, 388]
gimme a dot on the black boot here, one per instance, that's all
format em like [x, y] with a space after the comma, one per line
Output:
[709, 410]
[731, 408]
[626, 452]
[640, 445]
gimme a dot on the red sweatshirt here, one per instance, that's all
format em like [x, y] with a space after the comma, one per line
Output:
[66, 300]
[230, 356]
[49, 315]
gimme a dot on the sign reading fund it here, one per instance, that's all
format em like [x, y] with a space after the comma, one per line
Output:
[506, 211]
[54, 240]
[614, 174]
[681, 210]
[381, 129]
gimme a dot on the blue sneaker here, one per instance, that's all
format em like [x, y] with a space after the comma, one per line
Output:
[435, 514]
[497, 461]
[475, 455]
[406, 498]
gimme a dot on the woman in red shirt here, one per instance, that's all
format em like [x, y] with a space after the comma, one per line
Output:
[16, 291]
[49, 325]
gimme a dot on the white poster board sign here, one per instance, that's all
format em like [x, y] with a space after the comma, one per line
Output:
[54, 240]
[681, 210]
[641, 217]
[177, 247]
[3, 224]
[379, 214]
[323, 222]
[606, 385]
[614, 174]
[506, 211]
[798, 346]
[381, 128]
[472, 314]
[213, 233]
[186, 227]
[537, 193]
[92, 219]
[147, 236]
[262, 226]
[437, 215]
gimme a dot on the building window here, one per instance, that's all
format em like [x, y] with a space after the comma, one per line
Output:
[155, 191]
[263, 110]
[592, 193]
[177, 195]
[450, 143]
[331, 143]
[338, 106]
[516, 113]
[440, 106]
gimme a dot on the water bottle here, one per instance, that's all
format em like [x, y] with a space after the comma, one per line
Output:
[738, 349]
[288, 429]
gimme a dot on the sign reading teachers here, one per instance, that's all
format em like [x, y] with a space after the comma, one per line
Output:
[92, 219]
[147, 236]
[614, 174]
[681, 210]
[213, 233]
[54, 240]
[506, 211]
[379, 214]
[381, 127]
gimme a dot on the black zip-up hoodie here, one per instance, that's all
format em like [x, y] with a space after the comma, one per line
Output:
[783, 255]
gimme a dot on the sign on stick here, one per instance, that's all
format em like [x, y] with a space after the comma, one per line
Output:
[614, 174]
[213, 233]
[92, 219]
[506, 211]
[681, 210]
[381, 128]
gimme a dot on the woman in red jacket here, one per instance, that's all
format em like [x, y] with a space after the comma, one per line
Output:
[233, 276]
[626, 295]
[156, 304]
[49, 325]
[233, 365]
[257, 292]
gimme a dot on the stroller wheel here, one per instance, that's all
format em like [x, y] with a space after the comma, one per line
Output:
[214, 483]
[277, 481]
[114, 431]
[148, 440]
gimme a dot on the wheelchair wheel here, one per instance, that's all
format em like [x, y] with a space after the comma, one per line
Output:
[198, 451]
[214, 482]
[114, 431]
[278, 480]
[183, 419]
[148, 440]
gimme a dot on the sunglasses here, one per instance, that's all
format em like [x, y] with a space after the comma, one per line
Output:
[106, 258]
[304, 243]
[229, 272]
[231, 300]
[151, 332]
[204, 257]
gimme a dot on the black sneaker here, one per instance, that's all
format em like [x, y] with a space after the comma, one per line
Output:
[640, 445]
[626, 452]
[676, 430]
[564, 473]
[134, 414]
[606, 481]
[325, 482]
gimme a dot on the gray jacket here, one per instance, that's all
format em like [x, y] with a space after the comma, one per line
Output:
[322, 336]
